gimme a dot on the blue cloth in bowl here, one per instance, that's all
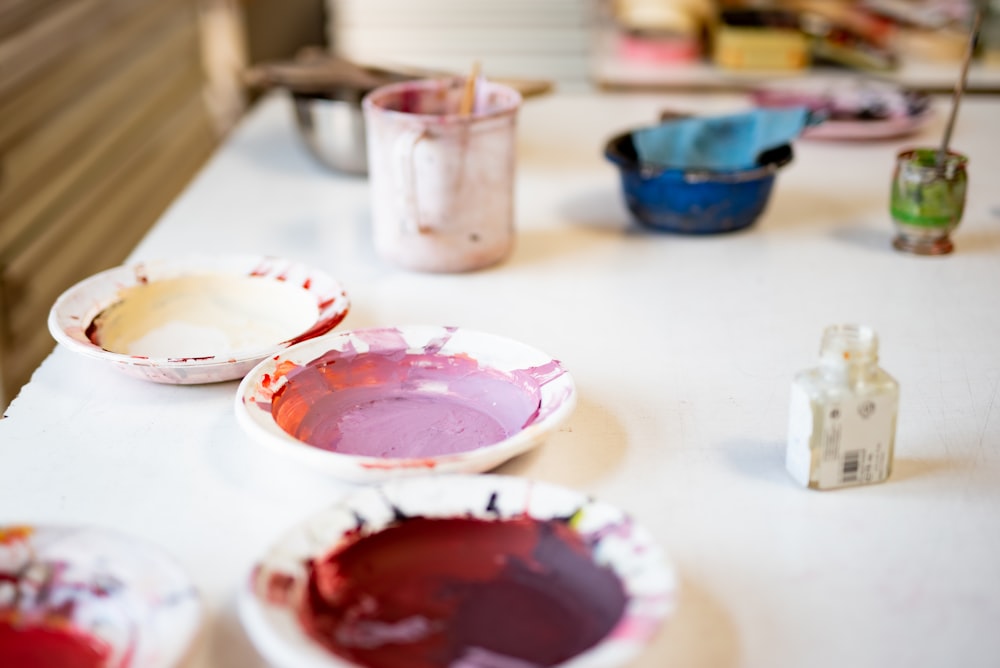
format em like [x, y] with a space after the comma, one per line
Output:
[695, 201]
[719, 143]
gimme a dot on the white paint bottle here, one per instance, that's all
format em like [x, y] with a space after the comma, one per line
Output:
[842, 418]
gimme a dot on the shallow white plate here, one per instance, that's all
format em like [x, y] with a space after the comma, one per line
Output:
[124, 595]
[892, 111]
[271, 604]
[373, 404]
[198, 319]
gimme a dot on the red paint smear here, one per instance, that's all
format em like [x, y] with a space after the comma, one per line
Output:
[320, 328]
[282, 369]
[51, 647]
[428, 593]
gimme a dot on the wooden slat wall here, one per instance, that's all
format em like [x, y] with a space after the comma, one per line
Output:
[97, 135]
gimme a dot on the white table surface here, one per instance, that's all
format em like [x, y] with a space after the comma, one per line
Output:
[682, 348]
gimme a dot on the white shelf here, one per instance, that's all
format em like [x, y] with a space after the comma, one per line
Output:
[610, 71]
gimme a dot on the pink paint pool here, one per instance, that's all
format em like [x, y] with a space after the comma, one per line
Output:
[374, 403]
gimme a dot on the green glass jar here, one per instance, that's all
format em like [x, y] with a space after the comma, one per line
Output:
[928, 199]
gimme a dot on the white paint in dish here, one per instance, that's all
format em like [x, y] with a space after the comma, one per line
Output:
[286, 286]
[197, 316]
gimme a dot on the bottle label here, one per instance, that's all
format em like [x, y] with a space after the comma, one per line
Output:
[798, 455]
[854, 438]
[839, 443]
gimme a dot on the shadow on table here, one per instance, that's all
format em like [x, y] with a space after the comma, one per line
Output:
[978, 241]
[766, 462]
[870, 236]
[866, 237]
[699, 635]
[910, 468]
[589, 446]
[540, 246]
[228, 644]
[793, 207]
[600, 210]
[763, 461]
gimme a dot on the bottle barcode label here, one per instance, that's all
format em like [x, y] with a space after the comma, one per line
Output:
[852, 466]
[853, 447]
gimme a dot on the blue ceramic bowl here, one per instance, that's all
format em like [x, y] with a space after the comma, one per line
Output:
[694, 201]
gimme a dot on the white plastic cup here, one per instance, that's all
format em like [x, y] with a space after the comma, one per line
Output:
[442, 183]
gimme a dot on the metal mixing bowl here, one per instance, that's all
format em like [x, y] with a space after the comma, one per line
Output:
[333, 129]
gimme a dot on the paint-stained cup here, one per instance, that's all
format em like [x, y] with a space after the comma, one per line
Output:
[927, 199]
[442, 183]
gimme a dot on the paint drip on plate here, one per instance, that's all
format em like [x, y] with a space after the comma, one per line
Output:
[462, 592]
[389, 402]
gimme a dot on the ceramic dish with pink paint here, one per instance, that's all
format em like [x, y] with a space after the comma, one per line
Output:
[373, 404]
[92, 598]
[496, 571]
[853, 110]
[197, 319]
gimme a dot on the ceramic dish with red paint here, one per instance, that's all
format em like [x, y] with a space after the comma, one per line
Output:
[92, 598]
[373, 404]
[197, 319]
[460, 570]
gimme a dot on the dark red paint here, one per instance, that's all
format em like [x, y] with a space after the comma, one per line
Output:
[429, 592]
[51, 647]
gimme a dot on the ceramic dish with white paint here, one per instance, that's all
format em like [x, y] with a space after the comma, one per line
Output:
[373, 404]
[197, 319]
[497, 571]
[81, 596]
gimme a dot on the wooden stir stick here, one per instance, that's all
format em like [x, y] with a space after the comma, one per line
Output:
[469, 94]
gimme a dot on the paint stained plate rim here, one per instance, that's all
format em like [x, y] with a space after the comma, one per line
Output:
[559, 398]
[75, 309]
[902, 121]
[137, 576]
[645, 569]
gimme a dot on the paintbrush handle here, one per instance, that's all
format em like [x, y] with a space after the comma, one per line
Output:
[960, 86]
[469, 94]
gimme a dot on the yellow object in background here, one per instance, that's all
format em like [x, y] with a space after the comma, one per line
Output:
[764, 48]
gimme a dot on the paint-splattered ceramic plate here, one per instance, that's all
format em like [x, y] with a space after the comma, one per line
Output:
[373, 404]
[855, 111]
[199, 319]
[460, 570]
[91, 597]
